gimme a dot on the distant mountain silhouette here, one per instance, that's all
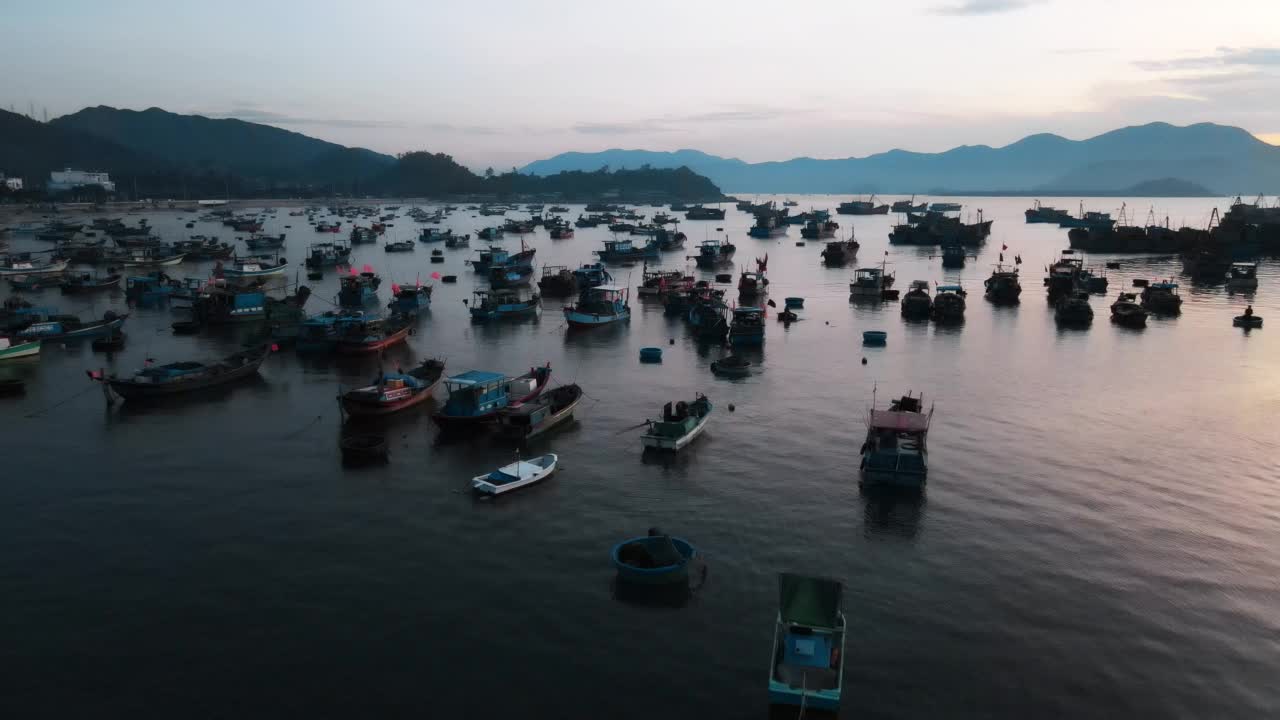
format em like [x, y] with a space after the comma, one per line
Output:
[202, 145]
[31, 149]
[1223, 159]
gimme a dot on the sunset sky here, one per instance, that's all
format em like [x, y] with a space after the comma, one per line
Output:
[502, 83]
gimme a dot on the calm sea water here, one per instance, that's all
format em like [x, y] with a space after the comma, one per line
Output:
[1100, 535]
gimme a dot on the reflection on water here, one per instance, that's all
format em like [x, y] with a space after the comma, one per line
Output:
[892, 512]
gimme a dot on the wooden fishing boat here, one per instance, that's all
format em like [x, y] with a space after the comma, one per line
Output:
[364, 335]
[502, 305]
[807, 663]
[23, 264]
[410, 299]
[393, 392]
[402, 246]
[458, 241]
[1161, 298]
[1003, 286]
[477, 396]
[624, 250]
[84, 283]
[681, 423]
[322, 255]
[747, 327]
[655, 559]
[1247, 321]
[871, 282]
[63, 328]
[11, 351]
[525, 420]
[252, 267]
[916, 303]
[157, 381]
[731, 366]
[518, 474]
[358, 289]
[862, 207]
[150, 259]
[839, 252]
[1073, 309]
[557, 281]
[896, 451]
[34, 283]
[948, 304]
[1126, 311]
[599, 305]
[264, 242]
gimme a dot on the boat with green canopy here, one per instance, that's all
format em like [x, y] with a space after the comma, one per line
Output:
[807, 665]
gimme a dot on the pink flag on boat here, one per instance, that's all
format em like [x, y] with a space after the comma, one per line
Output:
[353, 270]
[435, 276]
[395, 289]
[368, 268]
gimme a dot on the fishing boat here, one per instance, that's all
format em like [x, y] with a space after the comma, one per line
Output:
[1045, 214]
[557, 281]
[1126, 311]
[362, 236]
[489, 233]
[655, 559]
[257, 266]
[357, 290]
[476, 396]
[11, 351]
[322, 255]
[64, 328]
[393, 392]
[525, 420]
[599, 305]
[656, 283]
[1161, 298]
[204, 249]
[747, 327]
[1247, 320]
[670, 240]
[917, 304]
[158, 381]
[895, 451]
[807, 663]
[458, 241]
[364, 335]
[516, 475]
[1003, 285]
[697, 212]
[151, 289]
[1063, 275]
[518, 227]
[409, 299]
[147, 258]
[953, 255]
[903, 206]
[624, 250]
[819, 230]
[754, 284]
[561, 231]
[871, 282]
[33, 283]
[327, 227]
[502, 305]
[510, 275]
[770, 223]
[681, 423]
[948, 304]
[839, 252]
[591, 275]
[709, 316]
[434, 235]
[862, 207]
[1091, 220]
[489, 258]
[264, 242]
[1243, 276]
[401, 246]
[731, 366]
[24, 264]
[944, 207]
[1073, 309]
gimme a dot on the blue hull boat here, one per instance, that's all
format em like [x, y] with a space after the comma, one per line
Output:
[807, 665]
[653, 560]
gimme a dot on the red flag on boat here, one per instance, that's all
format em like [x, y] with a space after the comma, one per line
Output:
[275, 347]
[368, 268]
[435, 276]
[395, 289]
[1003, 246]
[353, 270]
[94, 374]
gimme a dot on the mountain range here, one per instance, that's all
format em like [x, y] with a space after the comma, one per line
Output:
[1221, 158]
[155, 153]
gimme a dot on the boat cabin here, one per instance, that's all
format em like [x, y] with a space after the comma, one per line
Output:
[475, 392]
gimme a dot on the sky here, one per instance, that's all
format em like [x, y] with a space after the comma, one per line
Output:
[501, 83]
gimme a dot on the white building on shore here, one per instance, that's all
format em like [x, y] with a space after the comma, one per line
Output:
[67, 179]
[12, 183]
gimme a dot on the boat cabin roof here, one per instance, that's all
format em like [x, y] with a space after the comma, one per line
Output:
[809, 601]
[606, 288]
[900, 421]
[949, 288]
[919, 284]
[474, 377]
[748, 311]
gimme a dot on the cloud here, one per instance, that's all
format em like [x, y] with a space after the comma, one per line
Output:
[1223, 56]
[984, 7]
[677, 123]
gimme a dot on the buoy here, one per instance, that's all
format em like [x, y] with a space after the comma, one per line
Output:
[864, 361]
[731, 408]
[671, 341]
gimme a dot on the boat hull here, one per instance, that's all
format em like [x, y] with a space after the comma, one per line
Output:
[658, 442]
[588, 320]
[481, 484]
[666, 575]
[21, 350]
[346, 347]
[131, 390]
[358, 407]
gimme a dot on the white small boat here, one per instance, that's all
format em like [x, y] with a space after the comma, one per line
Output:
[9, 351]
[516, 475]
[12, 267]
